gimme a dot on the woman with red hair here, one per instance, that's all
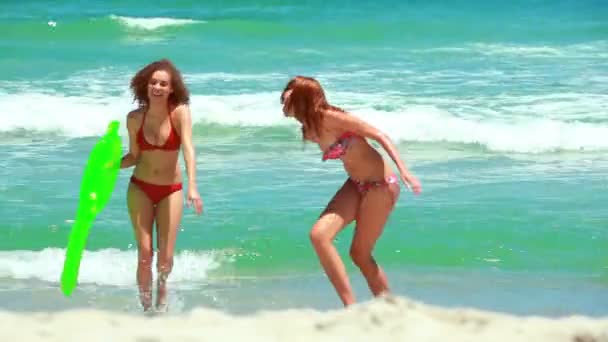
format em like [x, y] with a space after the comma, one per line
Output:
[369, 194]
[157, 130]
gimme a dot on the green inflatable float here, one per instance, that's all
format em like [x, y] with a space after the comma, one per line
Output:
[96, 187]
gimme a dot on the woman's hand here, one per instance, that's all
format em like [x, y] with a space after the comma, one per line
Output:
[412, 183]
[194, 199]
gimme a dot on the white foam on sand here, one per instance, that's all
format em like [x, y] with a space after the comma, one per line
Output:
[385, 319]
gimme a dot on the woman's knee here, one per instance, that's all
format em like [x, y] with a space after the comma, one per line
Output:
[361, 257]
[145, 256]
[164, 266]
[326, 228]
[318, 235]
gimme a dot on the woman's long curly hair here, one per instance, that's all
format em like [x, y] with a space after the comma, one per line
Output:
[308, 102]
[139, 83]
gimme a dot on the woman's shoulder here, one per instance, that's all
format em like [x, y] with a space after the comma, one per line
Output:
[134, 118]
[135, 114]
[335, 117]
[180, 111]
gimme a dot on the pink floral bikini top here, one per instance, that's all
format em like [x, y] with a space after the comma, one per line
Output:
[340, 147]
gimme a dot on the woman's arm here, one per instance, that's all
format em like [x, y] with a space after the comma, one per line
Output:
[189, 157]
[353, 124]
[132, 156]
[187, 146]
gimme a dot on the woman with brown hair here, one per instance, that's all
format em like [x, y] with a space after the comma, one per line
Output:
[369, 194]
[157, 129]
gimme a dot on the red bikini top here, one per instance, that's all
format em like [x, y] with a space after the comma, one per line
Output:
[171, 144]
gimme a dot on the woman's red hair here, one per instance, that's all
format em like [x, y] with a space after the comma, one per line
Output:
[308, 102]
[139, 83]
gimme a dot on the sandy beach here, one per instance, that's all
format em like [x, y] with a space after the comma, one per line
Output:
[385, 319]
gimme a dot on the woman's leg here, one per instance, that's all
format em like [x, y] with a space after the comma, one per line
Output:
[168, 217]
[141, 211]
[376, 206]
[340, 211]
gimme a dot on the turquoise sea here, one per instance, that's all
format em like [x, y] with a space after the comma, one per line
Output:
[500, 109]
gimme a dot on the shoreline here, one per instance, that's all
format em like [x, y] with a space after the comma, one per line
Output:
[496, 291]
[383, 319]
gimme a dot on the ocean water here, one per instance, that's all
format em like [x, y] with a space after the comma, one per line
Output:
[500, 109]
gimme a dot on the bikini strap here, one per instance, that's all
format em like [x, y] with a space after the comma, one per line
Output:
[143, 120]
[170, 113]
[346, 135]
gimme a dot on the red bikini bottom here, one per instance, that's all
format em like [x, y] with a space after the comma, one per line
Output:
[155, 192]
